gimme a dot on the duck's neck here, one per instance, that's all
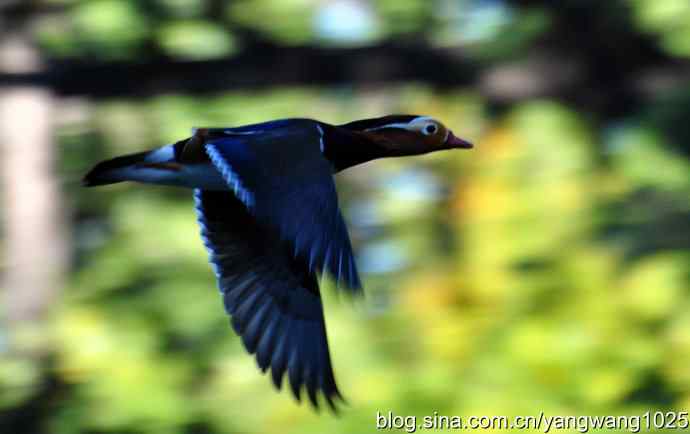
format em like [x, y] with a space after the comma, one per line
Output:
[345, 148]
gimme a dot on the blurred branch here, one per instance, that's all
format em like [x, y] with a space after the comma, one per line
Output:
[544, 72]
[260, 65]
[593, 56]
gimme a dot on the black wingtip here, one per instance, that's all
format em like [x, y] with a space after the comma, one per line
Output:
[334, 401]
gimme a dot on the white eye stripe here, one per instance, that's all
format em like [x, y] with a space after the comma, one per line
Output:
[419, 125]
[394, 125]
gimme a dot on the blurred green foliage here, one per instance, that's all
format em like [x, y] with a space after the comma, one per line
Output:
[117, 28]
[546, 270]
[670, 19]
[510, 298]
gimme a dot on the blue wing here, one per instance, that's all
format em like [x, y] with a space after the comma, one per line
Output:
[278, 172]
[273, 299]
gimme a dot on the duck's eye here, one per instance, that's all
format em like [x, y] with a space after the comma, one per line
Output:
[430, 129]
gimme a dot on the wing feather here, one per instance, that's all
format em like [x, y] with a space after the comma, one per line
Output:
[273, 299]
[283, 179]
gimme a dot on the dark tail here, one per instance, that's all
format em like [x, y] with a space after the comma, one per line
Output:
[109, 171]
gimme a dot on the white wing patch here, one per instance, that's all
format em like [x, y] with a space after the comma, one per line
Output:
[231, 177]
[242, 133]
[321, 144]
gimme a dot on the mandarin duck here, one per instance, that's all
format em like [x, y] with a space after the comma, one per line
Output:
[268, 210]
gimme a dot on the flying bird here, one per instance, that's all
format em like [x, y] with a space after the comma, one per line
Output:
[268, 210]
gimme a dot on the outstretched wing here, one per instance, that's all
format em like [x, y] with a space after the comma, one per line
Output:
[273, 299]
[278, 172]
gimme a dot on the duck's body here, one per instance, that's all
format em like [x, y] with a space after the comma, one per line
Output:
[269, 217]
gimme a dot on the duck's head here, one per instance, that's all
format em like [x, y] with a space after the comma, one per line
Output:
[408, 134]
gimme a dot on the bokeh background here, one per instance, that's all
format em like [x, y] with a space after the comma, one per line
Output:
[546, 270]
